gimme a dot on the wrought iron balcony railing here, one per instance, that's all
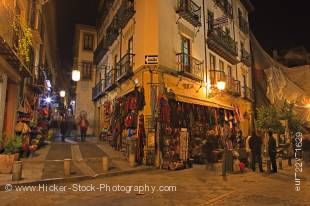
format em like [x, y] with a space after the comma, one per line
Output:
[98, 90]
[124, 68]
[222, 43]
[190, 66]
[248, 93]
[233, 86]
[190, 11]
[246, 57]
[243, 25]
[226, 6]
[109, 78]
[100, 51]
[125, 13]
[217, 75]
[112, 33]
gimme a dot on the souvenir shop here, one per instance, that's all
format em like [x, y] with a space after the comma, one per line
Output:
[123, 123]
[32, 124]
[192, 133]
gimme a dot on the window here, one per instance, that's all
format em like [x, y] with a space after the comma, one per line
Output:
[130, 50]
[212, 62]
[240, 17]
[185, 50]
[229, 71]
[221, 65]
[86, 70]
[212, 69]
[210, 20]
[88, 41]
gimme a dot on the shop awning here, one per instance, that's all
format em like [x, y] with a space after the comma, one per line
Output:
[12, 58]
[193, 100]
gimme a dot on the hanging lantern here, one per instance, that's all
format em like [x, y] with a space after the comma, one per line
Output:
[62, 93]
[221, 85]
[76, 75]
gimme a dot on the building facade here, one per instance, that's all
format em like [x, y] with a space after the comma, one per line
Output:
[84, 45]
[194, 50]
[24, 62]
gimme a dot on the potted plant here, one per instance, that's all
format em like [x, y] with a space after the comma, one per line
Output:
[11, 153]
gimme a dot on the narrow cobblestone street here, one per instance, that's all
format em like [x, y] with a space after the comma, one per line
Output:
[195, 186]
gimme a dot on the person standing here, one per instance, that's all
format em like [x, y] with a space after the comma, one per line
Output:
[83, 124]
[256, 151]
[272, 151]
[63, 127]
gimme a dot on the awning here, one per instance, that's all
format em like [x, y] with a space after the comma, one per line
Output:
[193, 100]
[12, 58]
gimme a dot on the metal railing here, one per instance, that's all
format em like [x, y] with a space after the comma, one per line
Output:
[246, 57]
[190, 66]
[100, 51]
[217, 75]
[243, 25]
[98, 90]
[226, 6]
[233, 86]
[124, 67]
[109, 77]
[224, 39]
[190, 11]
[125, 13]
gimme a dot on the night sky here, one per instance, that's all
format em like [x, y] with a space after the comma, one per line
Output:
[281, 24]
[277, 24]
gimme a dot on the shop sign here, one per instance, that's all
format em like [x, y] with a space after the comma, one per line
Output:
[151, 59]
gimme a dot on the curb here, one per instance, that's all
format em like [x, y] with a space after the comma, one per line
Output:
[76, 178]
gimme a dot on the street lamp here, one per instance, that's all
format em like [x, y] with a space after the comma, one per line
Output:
[76, 75]
[221, 85]
[62, 93]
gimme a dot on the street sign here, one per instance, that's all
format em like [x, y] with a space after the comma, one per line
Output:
[151, 59]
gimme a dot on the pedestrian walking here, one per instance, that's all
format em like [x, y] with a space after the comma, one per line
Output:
[256, 151]
[63, 127]
[83, 124]
[272, 151]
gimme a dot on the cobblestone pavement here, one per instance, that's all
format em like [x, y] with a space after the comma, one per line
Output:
[195, 186]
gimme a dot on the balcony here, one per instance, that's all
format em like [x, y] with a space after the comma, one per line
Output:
[100, 51]
[225, 6]
[243, 25]
[190, 11]
[112, 33]
[124, 68]
[125, 13]
[217, 75]
[109, 78]
[233, 86]
[222, 43]
[98, 90]
[246, 57]
[248, 93]
[190, 66]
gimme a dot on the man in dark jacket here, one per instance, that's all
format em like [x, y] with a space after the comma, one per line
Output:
[255, 146]
[272, 151]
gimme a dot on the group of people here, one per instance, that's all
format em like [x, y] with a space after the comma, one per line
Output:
[67, 124]
[255, 144]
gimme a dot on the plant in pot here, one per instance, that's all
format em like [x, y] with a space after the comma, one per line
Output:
[10, 154]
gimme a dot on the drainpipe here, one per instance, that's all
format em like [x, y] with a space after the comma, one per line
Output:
[204, 40]
[253, 76]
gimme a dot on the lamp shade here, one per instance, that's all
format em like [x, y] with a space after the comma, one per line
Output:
[76, 75]
[221, 85]
[62, 93]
